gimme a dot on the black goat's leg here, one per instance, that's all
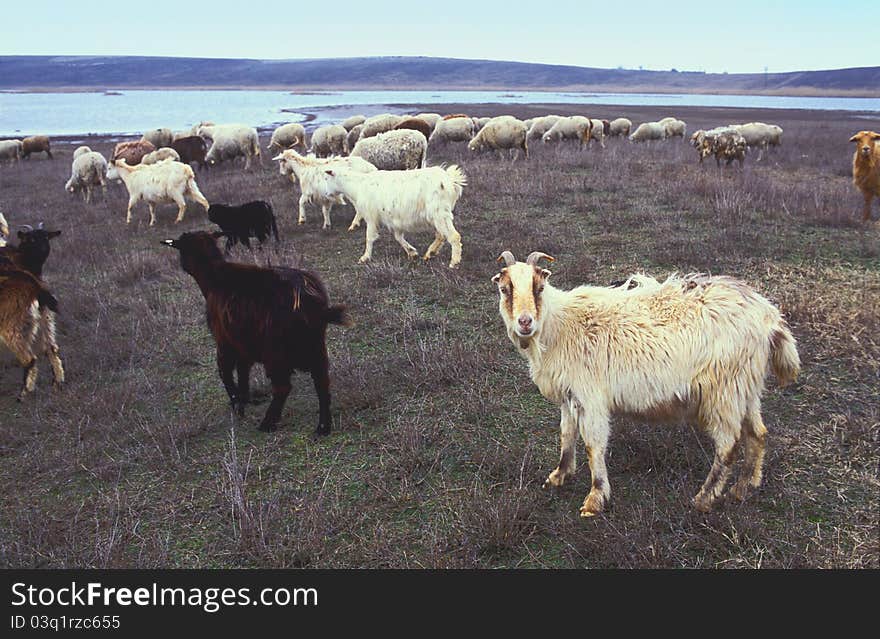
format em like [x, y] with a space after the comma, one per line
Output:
[243, 369]
[321, 377]
[225, 364]
[280, 391]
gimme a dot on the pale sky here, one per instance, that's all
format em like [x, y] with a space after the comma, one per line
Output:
[739, 36]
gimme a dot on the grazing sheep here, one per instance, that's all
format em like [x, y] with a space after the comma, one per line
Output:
[452, 116]
[349, 123]
[25, 306]
[10, 151]
[240, 223]
[329, 140]
[275, 316]
[619, 126]
[575, 127]
[132, 152]
[673, 127]
[157, 184]
[88, 170]
[479, 123]
[191, 148]
[759, 135]
[165, 153]
[4, 231]
[309, 171]
[866, 168]
[231, 141]
[431, 119]
[540, 126]
[393, 151]
[159, 137]
[499, 134]
[403, 201]
[415, 124]
[460, 129]
[288, 136]
[35, 144]
[379, 124]
[597, 131]
[728, 146]
[694, 347]
[648, 131]
[353, 136]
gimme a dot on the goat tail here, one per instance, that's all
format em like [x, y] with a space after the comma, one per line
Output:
[46, 300]
[338, 314]
[459, 179]
[784, 357]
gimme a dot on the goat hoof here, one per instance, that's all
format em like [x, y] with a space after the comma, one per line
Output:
[593, 505]
[268, 427]
[58, 386]
[554, 480]
[322, 430]
[701, 503]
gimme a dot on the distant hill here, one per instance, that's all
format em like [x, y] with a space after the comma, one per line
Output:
[90, 72]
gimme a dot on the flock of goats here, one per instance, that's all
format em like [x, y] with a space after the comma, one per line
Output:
[696, 347]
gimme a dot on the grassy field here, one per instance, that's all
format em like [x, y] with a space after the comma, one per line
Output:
[441, 441]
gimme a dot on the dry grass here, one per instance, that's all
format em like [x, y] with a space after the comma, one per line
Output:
[441, 440]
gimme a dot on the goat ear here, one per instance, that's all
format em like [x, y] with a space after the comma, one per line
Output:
[329, 172]
[54, 234]
[875, 136]
[168, 243]
[546, 273]
[496, 277]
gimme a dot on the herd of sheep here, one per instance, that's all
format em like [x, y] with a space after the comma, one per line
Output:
[697, 347]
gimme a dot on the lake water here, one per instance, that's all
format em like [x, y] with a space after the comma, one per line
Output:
[136, 111]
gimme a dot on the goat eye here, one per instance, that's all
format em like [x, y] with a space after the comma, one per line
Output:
[505, 290]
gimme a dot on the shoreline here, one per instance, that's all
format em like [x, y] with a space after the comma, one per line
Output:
[584, 90]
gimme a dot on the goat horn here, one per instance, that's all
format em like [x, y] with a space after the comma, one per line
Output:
[26, 227]
[508, 258]
[40, 226]
[537, 255]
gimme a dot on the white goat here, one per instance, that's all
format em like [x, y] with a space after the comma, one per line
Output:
[165, 181]
[309, 170]
[694, 347]
[404, 201]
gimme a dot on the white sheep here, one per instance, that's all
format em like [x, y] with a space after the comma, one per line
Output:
[648, 131]
[10, 150]
[453, 130]
[80, 150]
[379, 124]
[288, 136]
[694, 347]
[230, 141]
[329, 140]
[760, 135]
[620, 126]
[88, 170]
[501, 133]
[159, 137]
[165, 153]
[309, 171]
[349, 123]
[394, 150]
[540, 126]
[575, 127]
[673, 127]
[404, 201]
[157, 184]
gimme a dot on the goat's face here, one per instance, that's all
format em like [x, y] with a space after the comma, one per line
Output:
[520, 287]
[865, 142]
[196, 249]
[36, 241]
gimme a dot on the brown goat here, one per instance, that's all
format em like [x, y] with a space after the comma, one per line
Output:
[866, 168]
[191, 149]
[24, 303]
[415, 124]
[277, 317]
[35, 144]
[132, 152]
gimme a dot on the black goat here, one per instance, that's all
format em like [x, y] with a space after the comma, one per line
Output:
[277, 317]
[32, 250]
[240, 223]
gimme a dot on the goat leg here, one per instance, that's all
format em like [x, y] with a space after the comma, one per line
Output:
[280, 391]
[225, 364]
[321, 378]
